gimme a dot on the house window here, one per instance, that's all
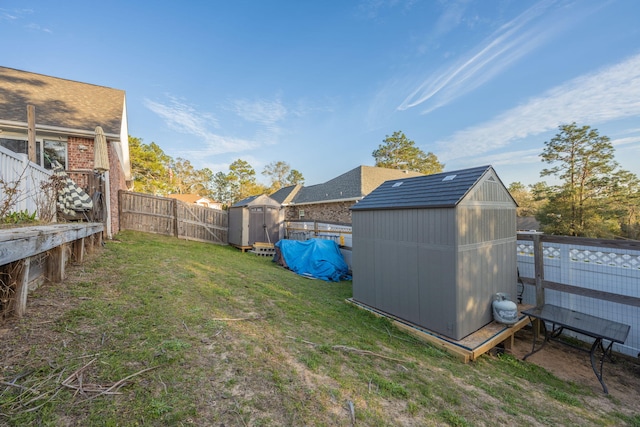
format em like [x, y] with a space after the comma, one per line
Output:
[21, 146]
[53, 150]
[301, 213]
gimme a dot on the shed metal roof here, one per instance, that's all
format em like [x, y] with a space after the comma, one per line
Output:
[441, 190]
[259, 200]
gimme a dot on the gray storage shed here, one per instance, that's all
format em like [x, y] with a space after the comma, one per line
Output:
[254, 219]
[434, 250]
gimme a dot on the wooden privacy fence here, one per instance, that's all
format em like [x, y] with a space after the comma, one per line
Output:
[171, 217]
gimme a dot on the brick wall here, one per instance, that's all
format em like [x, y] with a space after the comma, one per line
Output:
[81, 157]
[80, 153]
[329, 212]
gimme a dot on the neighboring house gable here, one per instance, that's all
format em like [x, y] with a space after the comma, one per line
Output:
[197, 200]
[66, 116]
[332, 200]
[286, 195]
[527, 223]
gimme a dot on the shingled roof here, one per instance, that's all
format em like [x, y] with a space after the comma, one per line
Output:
[285, 195]
[442, 190]
[350, 186]
[59, 103]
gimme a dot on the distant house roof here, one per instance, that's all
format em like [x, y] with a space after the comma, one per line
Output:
[350, 186]
[440, 190]
[60, 103]
[191, 198]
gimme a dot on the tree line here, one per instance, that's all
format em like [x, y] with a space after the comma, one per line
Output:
[594, 197]
[155, 172]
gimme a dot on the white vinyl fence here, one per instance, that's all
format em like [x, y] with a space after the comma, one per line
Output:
[16, 171]
[604, 276]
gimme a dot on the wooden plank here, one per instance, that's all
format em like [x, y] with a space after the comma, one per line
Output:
[590, 293]
[470, 347]
[55, 264]
[460, 353]
[538, 254]
[41, 239]
[505, 336]
[585, 241]
[22, 288]
[78, 250]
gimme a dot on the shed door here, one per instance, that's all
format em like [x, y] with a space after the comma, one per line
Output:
[271, 215]
[263, 224]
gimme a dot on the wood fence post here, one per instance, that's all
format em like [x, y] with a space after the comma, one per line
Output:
[175, 217]
[538, 256]
[78, 250]
[31, 133]
[55, 264]
[22, 287]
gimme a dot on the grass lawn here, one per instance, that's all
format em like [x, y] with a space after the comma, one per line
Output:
[159, 331]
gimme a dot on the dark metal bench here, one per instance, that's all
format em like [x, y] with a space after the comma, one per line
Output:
[595, 327]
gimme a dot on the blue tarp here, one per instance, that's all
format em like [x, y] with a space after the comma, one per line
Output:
[316, 258]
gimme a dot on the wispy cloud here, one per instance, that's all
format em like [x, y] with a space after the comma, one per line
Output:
[518, 157]
[267, 114]
[505, 46]
[625, 141]
[609, 94]
[36, 27]
[13, 14]
[18, 15]
[185, 119]
[373, 9]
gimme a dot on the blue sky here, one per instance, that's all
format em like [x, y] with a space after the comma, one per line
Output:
[320, 84]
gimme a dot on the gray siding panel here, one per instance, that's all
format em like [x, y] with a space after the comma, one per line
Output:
[236, 221]
[433, 265]
[363, 259]
[396, 283]
[437, 294]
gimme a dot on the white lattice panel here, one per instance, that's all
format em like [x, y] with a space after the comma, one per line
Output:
[612, 259]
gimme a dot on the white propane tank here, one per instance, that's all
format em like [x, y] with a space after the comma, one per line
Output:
[504, 310]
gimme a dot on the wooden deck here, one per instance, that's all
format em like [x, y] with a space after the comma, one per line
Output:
[470, 347]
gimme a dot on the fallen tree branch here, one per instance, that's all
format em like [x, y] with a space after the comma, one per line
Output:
[115, 387]
[19, 386]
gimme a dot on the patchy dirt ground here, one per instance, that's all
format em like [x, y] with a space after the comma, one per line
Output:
[622, 377]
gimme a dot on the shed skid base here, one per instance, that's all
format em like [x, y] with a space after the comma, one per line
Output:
[468, 348]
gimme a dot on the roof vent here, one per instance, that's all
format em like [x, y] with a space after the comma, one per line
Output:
[397, 184]
[449, 178]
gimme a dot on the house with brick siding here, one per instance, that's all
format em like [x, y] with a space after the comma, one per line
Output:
[332, 200]
[66, 115]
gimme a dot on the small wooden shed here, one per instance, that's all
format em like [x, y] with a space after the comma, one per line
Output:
[254, 219]
[434, 250]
